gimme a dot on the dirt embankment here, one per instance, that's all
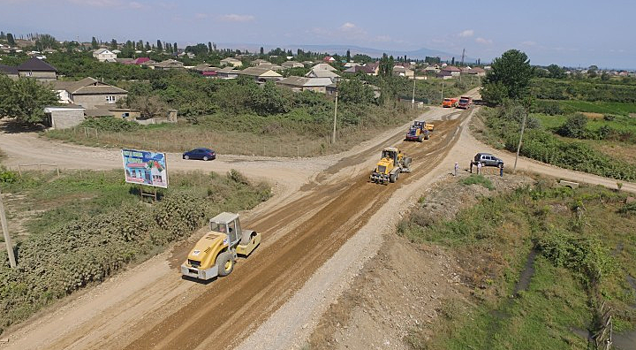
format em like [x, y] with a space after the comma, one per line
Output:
[404, 287]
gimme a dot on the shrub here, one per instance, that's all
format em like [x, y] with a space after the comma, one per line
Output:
[478, 180]
[110, 124]
[574, 126]
[8, 176]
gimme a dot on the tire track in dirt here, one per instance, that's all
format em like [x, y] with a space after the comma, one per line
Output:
[232, 307]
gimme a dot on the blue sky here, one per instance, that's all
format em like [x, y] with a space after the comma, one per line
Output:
[565, 32]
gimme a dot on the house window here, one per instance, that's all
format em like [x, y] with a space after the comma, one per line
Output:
[29, 74]
[110, 99]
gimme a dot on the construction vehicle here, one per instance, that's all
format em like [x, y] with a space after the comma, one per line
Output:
[416, 134]
[216, 252]
[450, 102]
[424, 125]
[392, 163]
[465, 102]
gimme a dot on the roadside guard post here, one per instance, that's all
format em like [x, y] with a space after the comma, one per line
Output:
[501, 170]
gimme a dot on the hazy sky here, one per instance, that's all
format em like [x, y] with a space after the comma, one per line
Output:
[565, 32]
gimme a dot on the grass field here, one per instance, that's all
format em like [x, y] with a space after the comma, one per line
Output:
[619, 123]
[248, 135]
[493, 241]
[620, 108]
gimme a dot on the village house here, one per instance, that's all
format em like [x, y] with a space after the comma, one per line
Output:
[477, 71]
[37, 69]
[105, 55]
[10, 71]
[231, 61]
[258, 62]
[168, 65]
[88, 93]
[292, 64]
[261, 74]
[449, 72]
[227, 73]
[401, 71]
[298, 84]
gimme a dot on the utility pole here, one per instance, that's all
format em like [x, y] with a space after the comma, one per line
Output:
[335, 118]
[7, 238]
[413, 99]
[523, 127]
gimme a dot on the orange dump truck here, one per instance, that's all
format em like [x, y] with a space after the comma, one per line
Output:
[450, 102]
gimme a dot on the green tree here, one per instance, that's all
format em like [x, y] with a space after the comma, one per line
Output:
[556, 71]
[94, 44]
[113, 44]
[24, 99]
[386, 66]
[159, 46]
[574, 126]
[147, 47]
[10, 39]
[46, 41]
[509, 78]
[175, 48]
[348, 56]
[354, 91]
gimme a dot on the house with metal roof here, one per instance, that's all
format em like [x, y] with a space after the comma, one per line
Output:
[323, 73]
[260, 74]
[298, 84]
[104, 55]
[88, 93]
[37, 69]
[227, 73]
[10, 71]
[292, 64]
[231, 61]
[168, 65]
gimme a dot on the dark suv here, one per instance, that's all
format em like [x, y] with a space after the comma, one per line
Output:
[487, 159]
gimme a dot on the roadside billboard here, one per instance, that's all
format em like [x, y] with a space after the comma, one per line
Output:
[145, 168]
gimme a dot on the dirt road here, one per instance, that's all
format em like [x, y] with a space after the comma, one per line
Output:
[321, 206]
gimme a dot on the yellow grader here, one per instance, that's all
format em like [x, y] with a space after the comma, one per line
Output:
[216, 252]
[392, 163]
[424, 125]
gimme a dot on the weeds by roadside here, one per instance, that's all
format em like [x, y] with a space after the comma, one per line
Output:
[584, 256]
[89, 227]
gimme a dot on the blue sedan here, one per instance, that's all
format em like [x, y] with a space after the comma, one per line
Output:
[200, 153]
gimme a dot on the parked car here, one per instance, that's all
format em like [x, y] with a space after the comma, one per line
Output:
[200, 153]
[487, 159]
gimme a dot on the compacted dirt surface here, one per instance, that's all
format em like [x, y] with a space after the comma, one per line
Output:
[324, 224]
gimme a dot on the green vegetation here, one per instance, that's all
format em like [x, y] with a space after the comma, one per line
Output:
[584, 251]
[91, 225]
[475, 179]
[24, 99]
[509, 78]
[592, 90]
[555, 107]
[248, 119]
[503, 130]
